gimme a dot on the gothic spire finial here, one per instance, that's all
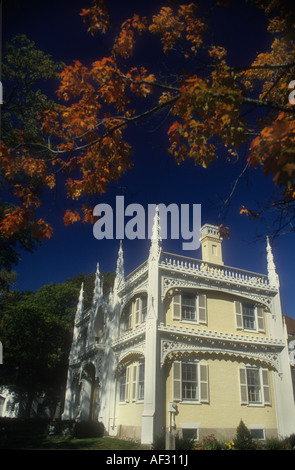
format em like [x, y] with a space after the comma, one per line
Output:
[271, 267]
[156, 227]
[97, 285]
[80, 301]
[155, 236]
[120, 267]
[120, 261]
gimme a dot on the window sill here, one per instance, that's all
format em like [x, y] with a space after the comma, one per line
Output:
[189, 402]
[131, 402]
[250, 330]
[256, 405]
[193, 322]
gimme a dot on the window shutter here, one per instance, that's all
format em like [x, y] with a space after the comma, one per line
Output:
[143, 309]
[266, 388]
[127, 384]
[202, 310]
[239, 314]
[177, 381]
[137, 311]
[134, 382]
[260, 319]
[204, 383]
[130, 317]
[243, 386]
[176, 307]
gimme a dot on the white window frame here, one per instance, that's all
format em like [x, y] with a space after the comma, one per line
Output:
[136, 382]
[140, 382]
[126, 319]
[140, 309]
[264, 386]
[125, 376]
[257, 427]
[190, 426]
[202, 383]
[189, 386]
[259, 316]
[178, 306]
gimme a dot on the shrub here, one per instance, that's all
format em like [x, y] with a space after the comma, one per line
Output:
[60, 427]
[210, 443]
[289, 442]
[272, 443]
[184, 443]
[180, 443]
[159, 442]
[243, 439]
[87, 429]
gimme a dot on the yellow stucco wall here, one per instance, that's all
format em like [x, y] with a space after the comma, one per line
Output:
[224, 411]
[130, 413]
[221, 315]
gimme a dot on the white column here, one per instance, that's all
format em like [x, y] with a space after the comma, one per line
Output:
[68, 406]
[108, 409]
[283, 389]
[151, 340]
[283, 380]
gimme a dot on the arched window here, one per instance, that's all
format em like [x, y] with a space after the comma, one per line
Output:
[134, 313]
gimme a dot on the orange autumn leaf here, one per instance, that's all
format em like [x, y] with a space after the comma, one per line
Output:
[124, 44]
[98, 17]
[249, 213]
[88, 214]
[224, 231]
[204, 102]
[14, 220]
[42, 230]
[71, 217]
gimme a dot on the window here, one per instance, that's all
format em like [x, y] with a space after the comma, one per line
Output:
[143, 308]
[257, 433]
[126, 319]
[189, 432]
[124, 385]
[254, 389]
[140, 392]
[190, 382]
[189, 307]
[140, 309]
[249, 317]
[138, 382]
[134, 313]
[254, 386]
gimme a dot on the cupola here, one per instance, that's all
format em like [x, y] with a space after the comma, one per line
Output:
[211, 244]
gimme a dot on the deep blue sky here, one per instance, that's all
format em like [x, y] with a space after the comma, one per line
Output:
[58, 30]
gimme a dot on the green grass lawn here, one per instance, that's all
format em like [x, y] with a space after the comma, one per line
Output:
[103, 443]
[69, 443]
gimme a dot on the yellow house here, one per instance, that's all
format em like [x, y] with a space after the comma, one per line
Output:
[185, 346]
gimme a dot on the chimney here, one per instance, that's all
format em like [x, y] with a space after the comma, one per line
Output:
[211, 244]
